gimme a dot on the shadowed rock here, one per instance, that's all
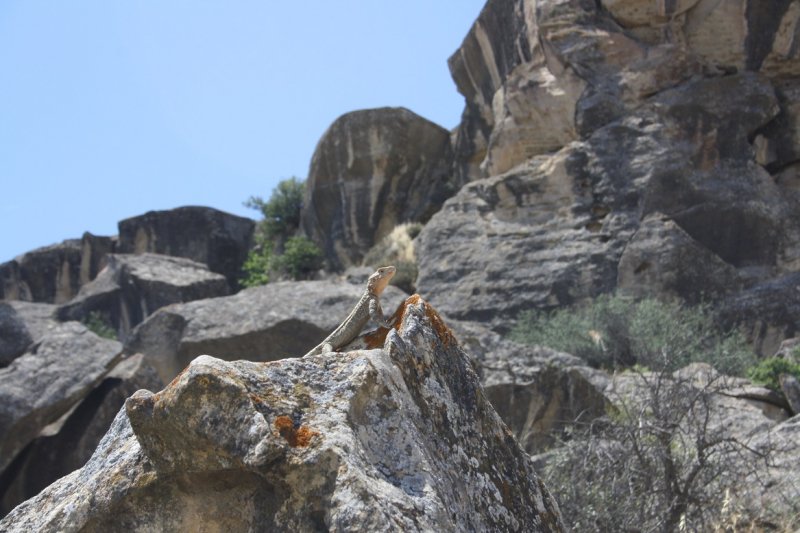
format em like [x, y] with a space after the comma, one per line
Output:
[51, 274]
[274, 321]
[68, 443]
[203, 234]
[132, 287]
[45, 382]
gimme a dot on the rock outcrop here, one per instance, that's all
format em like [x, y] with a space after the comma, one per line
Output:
[275, 321]
[132, 287]
[51, 274]
[372, 170]
[203, 234]
[14, 336]
[68, 443]
[633, 147]
[46, 381]
[397, 438]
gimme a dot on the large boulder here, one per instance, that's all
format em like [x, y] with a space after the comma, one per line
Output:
[372, 170]
[37, 388]
[395, 438]
[51, 274]
[132, 287]
[68, 443]
[274, 321]
[202, 234]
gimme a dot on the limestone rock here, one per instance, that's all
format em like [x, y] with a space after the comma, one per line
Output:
[14, 336]
[132, 287]
[791, 390]
[274, 321]
[50, 274]
[372, 170]
[45, 382]
[69, 442]
[202, 234]
[398, 438]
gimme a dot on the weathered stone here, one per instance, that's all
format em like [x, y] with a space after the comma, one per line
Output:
[767, 313]
[372, 170]
[132, 287]
[274, 321]
[552, 231]
[787, 348]
[541, 402]
[68, 443]
[11, 286]
[791, 390]
[50, 274]
[45, 382]
[39, 318]
[93, 255]
[663, 259]
[399, 438]
[781, 137]
[202, 234]
[14, 336]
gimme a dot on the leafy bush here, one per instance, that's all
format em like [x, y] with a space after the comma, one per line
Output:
[768, 372]
[256, 267]
[96, 323]
[282, 211]
[616, 332]
[300, 256]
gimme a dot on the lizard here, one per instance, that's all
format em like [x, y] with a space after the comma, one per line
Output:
[369, 306]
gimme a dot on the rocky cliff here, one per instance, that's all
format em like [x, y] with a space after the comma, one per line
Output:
[638, 146]
[648, 148]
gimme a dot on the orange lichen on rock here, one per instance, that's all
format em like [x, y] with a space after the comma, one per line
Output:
[377, 338]
[299, 438]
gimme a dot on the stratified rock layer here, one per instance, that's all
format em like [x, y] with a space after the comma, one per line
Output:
[399, 438]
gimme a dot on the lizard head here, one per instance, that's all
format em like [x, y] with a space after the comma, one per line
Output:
[380, 279]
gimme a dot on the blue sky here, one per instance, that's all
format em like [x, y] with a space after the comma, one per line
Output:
[112, 109]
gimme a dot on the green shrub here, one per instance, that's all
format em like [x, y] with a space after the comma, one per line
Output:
[300, 257]
[96, 324]
[282, 211]
[768, 372]
[616, 332]
[256, 267]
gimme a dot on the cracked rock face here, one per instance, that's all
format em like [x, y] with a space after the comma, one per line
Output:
[399, 438]
[622, 144]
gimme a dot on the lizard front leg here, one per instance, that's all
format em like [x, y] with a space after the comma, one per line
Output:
[376, 313]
